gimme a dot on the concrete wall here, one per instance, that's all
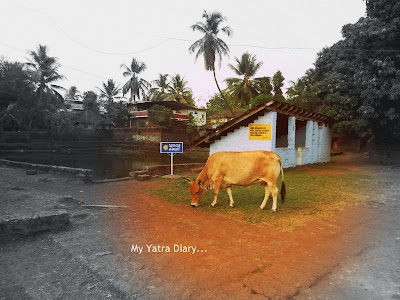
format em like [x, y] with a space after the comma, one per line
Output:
[317, 142]
[317, 145]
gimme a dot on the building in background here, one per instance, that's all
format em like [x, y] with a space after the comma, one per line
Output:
[181, 111]
[298, 135]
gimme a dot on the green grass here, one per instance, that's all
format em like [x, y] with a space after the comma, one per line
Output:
[307, 190]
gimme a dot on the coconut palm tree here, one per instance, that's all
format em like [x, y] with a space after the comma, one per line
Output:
[179, 91]
[277, 83]
[109, 92]
[210, 45]
[73, 93]
[159, 92]
[44, 70]
[242, 90]
[135, 84]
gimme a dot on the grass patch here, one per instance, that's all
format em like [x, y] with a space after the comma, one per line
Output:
[307, 194]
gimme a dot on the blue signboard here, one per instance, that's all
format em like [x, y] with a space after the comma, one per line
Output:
[171, 147]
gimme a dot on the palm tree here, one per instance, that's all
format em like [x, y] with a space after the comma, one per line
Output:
[73, 93]
[135, 84]
[109, 92]
[277, 83]
[178, 90]
[158, 93]
[45, 71]
[162, 82]
[243, 90]
[210, 45]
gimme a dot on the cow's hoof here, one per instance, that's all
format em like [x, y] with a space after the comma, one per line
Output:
[261, 207]
[231, 206]
[212, 205]
[274, 210]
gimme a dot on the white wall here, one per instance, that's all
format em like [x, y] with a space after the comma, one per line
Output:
[238, 140]
[199, 116]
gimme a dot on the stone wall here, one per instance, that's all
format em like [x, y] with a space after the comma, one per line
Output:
[82, 174]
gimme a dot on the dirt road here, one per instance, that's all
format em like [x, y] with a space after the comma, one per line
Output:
[158, 250]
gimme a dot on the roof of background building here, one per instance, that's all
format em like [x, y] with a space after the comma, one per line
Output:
[170, 104]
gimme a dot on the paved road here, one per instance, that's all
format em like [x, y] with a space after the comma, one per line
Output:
[375, 272]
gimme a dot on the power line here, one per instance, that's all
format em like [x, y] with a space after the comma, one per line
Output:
[169, 38]
[65, 66]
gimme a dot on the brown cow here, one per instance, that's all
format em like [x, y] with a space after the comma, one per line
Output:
[224, 169]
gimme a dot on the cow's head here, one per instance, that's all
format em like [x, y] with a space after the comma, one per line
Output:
[196, 191]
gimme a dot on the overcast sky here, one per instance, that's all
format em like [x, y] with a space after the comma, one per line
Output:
[93, 38]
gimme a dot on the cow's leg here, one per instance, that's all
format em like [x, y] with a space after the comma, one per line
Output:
[217, 188]
[229, 190]
[267, 192]
[274, 191]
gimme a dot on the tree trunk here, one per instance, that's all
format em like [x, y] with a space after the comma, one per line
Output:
[223, 97]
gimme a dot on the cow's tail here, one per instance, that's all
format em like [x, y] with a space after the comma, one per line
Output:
[283, 188]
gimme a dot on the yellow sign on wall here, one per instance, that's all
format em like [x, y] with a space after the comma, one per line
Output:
[260, 132]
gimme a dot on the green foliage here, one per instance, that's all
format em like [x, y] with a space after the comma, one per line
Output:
[161, 115]
[260, 99]
[216, 105]
[109, 93]
[119, 114]
[179, 91]
[62, 125]
[73, 93]
[210, 46]
[357, 80]
[15, 84]
[191, 124]
[90, 101]
[277, 84]
[159, 92]
[135, 84]
[44, 72]
[264, 85]
[243, 90]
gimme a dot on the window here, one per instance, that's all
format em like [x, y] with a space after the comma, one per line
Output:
[300, 138]
[282, 123]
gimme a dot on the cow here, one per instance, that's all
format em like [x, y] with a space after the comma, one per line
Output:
[224, 169]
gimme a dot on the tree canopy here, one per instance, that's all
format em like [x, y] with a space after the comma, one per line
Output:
[357, 80]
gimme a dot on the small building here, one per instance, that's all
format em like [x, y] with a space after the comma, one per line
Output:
[298, 135]
[181, 111]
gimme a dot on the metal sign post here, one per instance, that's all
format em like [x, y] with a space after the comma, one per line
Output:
[172, 163]
[171, 148]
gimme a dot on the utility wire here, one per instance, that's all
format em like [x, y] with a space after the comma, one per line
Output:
[166, 39]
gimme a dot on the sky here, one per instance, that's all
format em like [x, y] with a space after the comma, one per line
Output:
[91, 39]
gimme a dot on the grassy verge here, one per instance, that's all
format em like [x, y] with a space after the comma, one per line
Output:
[311, 190]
